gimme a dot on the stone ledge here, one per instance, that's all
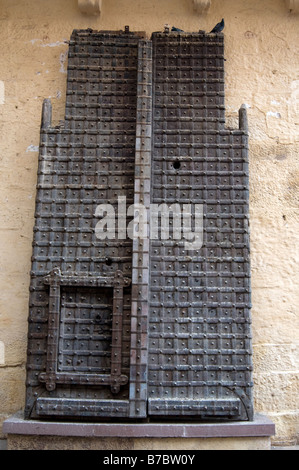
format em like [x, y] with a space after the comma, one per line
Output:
[292, 5]
[201, 6]
[94, 7]
[260, 427]
[90, 7]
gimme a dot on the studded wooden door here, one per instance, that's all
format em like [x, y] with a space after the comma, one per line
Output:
[124, 325]
[199, 323]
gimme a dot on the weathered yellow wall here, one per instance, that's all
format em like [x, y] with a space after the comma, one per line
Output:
[261, 70]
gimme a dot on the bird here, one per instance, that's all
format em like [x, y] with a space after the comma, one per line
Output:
[219, 27]
[177, 30]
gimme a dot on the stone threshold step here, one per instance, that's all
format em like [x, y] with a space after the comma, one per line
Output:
[261, 426]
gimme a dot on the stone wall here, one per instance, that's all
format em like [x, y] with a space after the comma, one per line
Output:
[261, 41]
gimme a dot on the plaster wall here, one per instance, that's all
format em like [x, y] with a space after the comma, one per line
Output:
[261, 41]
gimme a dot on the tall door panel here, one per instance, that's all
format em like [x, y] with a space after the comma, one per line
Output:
[79, 346]
[199, 323]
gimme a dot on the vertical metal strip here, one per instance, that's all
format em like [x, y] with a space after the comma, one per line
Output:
[140, 264]
[117, 324]
[53, 329]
